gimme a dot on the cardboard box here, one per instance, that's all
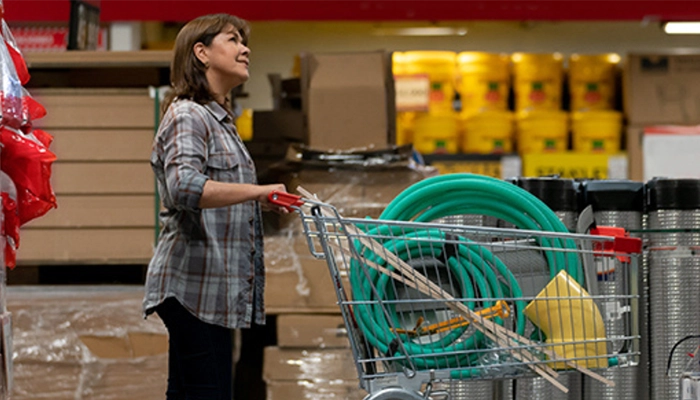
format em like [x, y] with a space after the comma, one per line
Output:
[355, 190]
[671, 152]
[348, 100]
[314, 390]
[93, 211]
[111, 246]
[103, 178]
[286, 93]
[635, 155]
[311, 331]
[662, 88]
[86, 343]
[279, 124]
[102, 144]
[358, 183]
[317, 365]
[95, 108]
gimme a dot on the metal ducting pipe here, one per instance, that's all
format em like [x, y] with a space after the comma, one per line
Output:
[562, 196]
[674, 286]
[620, 204]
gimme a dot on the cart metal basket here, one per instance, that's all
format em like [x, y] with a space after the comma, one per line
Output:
[428, 304]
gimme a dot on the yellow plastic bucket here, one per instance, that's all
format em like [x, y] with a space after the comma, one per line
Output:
[542, 131]
[592, 81]
[597, 131]
[404, 127]
[397, 64]
[487, 132]
[244, 124]
[537, 81]
[436, 133]
[441, 70]
[484, 81]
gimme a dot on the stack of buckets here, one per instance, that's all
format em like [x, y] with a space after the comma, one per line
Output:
[541, 124]
[483, 82]
[432, 130]
[484, 86]
[485, 125]
[596, 126]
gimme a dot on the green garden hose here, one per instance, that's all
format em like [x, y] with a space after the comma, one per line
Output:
[459, 194]
[470, 270]
[473, 266]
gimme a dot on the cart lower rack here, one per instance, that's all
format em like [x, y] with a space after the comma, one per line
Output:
[426, 304]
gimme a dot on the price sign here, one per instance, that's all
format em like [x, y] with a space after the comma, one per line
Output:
[576, 165]
[412, 92]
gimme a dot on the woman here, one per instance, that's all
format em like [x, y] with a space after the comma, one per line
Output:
[206, 277]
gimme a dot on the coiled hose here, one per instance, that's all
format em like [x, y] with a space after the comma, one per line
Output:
[473, 266]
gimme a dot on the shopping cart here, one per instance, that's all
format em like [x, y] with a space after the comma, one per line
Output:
[429, 304]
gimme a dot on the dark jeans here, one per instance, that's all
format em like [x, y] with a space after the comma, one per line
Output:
[200, 362]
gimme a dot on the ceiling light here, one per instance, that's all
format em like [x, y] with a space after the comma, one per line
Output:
[682, 28]
[421, 31]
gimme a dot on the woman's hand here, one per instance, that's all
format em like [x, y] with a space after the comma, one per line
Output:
[265, 204]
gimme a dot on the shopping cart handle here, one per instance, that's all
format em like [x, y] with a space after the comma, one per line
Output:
[285, 199]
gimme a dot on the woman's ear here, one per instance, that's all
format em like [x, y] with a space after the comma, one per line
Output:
[200, 51]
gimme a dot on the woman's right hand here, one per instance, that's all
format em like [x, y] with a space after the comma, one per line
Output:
[264, 201]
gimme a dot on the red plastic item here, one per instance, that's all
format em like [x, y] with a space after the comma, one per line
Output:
[622, 243]
[32, 110]
[42, 136]
[15, 54]
[286, 200]
[28, 162]
[10, 91]
[10, 228]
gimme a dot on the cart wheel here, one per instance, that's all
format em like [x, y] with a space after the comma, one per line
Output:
[395, 394]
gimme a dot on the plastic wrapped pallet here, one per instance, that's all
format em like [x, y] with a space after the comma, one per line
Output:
[86, 343]
[359, 184]
[310, 374]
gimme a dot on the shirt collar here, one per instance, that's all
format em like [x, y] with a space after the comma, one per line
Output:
[218, 111]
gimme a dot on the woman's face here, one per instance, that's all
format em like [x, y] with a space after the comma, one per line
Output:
[228, 58]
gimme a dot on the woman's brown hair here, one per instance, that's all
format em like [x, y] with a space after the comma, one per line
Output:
[187, 73]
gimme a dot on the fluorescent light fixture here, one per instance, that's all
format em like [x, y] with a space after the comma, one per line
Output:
[682, 28]
[421, 31]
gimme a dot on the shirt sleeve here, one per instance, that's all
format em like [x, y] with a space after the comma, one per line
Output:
[183, 138]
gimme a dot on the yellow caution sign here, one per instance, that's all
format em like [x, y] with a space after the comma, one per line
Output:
[488, 168]
[576, 165]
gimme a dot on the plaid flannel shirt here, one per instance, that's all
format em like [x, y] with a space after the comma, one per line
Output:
[208, 259]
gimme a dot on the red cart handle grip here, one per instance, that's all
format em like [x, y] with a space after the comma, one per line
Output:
[285, 199]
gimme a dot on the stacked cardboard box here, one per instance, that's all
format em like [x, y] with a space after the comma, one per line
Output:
[340, 101]
[313, 360]
[659, 89]
[102, 179]
[296, 281]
